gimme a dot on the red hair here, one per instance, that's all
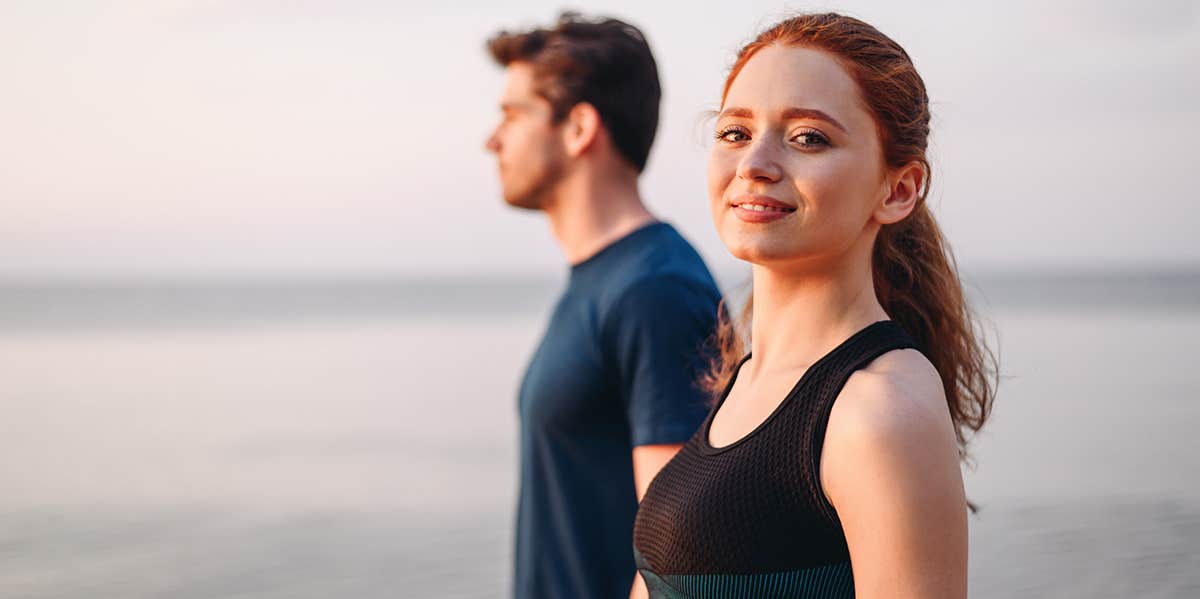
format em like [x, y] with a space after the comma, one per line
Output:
[915, 276]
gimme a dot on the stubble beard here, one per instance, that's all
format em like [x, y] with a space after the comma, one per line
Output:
[537, 192]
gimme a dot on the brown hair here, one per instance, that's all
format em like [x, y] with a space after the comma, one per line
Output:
[604, 62]
[915, 276]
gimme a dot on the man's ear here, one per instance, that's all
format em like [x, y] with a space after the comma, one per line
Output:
[904, 192]
[581, 129]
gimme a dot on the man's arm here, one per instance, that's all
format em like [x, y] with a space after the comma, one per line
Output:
[661, 326]
[647, 461]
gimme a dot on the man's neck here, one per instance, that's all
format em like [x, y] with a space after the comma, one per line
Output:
[589, 213]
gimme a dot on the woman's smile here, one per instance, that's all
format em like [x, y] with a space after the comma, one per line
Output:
[760, 209]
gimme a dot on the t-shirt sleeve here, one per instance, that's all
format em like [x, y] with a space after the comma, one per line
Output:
[659, 331]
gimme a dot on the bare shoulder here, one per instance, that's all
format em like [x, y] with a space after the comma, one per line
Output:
[899, 395]
[890, 468]
[889, 417]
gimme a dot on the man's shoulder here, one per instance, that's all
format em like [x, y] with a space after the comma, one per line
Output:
[660, 288]
[661, 264]
[669, 245]
[660, 300]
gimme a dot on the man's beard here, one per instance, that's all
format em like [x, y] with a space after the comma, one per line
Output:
[538, 191]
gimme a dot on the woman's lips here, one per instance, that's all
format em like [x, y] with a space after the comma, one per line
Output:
[760, 209]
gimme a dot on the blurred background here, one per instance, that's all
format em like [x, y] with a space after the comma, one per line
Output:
[263, 312]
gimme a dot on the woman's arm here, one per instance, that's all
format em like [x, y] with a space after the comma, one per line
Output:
[890, 467]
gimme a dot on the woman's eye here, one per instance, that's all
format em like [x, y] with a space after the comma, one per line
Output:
[732, 135]
[810, 139]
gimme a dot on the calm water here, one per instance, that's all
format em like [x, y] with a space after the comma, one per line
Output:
[358, 440]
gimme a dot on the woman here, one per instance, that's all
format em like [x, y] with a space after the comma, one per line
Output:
[830, 464]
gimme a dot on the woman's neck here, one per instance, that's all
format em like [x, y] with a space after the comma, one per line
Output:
[802, 314]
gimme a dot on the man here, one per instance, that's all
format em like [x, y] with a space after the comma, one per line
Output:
[611, 392]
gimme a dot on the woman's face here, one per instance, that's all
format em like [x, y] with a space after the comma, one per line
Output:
[796, 173]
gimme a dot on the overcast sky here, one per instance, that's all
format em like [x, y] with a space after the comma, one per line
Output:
[344, 137]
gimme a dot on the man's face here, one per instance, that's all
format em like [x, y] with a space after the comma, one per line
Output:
[528, 145]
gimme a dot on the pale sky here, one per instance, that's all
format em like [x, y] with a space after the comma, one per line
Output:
[213, 138]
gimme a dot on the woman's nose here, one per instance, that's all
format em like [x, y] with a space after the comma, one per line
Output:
[760, 163]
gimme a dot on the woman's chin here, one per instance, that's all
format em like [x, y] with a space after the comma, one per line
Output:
[761, 251]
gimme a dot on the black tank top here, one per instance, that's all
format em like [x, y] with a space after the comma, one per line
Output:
[749, 519]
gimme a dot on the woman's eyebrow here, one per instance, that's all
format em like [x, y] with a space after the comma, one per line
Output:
[812, 113]
[745, 113]
[790, 113]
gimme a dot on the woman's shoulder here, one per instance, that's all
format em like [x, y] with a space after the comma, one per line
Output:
[890, 416]
[891, 470]
[899, 392]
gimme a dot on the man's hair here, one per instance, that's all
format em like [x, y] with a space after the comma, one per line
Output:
[604, 62]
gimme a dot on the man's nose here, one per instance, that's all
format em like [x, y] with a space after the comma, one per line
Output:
[492, 143]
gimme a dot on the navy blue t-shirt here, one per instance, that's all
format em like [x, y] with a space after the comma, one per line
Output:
[616, 368]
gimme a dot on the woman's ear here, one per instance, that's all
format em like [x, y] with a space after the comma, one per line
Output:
[581, 128]
[905, 187]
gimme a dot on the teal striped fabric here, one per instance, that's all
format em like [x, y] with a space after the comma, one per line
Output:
[833, 581]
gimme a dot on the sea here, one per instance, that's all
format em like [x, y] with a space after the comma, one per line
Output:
[357, 438]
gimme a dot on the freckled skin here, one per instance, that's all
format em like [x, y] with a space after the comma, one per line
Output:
[793, 128]
[834, 186]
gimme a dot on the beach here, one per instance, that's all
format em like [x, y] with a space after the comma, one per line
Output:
[318, 441]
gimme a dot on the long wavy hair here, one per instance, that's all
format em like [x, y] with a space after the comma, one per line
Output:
[915, 276]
